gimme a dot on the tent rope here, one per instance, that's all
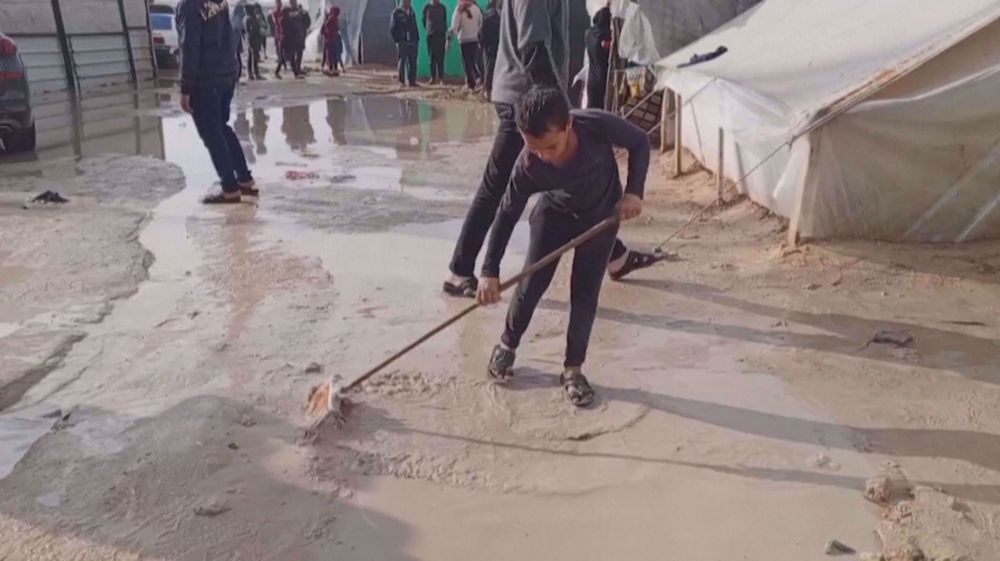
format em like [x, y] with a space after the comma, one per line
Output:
[717, 201]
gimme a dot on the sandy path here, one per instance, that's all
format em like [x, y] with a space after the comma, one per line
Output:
[739, 415]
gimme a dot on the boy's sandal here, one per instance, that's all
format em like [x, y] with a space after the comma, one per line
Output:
[221, 199]
[577, 389]
[501, 367]
[637, 260]
[466, 289]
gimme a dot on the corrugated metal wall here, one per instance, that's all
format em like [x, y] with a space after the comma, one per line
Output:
[106, 42]
[83, 98]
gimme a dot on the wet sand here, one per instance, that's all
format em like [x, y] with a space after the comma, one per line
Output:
[740, 410]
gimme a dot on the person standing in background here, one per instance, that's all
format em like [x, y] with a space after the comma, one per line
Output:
[406, 35]
[332, 42]
[239, 12]
[295, 22]
[598, 41]
[267, 33]
[489, 42]
[278, 31]
[256, 32]
[208, 80]
[436, 26]
[465, 24]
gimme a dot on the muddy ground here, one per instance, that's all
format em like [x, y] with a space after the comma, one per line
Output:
[155, 355]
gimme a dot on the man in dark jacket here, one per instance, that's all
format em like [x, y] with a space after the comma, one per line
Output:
[489, 41]
[295, 24]
[405, 34]
[436, 26]
[208, 78]
[533, 53]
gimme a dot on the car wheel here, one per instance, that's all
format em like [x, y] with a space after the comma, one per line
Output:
[23, 140]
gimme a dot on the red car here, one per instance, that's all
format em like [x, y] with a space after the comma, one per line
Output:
[17, 124]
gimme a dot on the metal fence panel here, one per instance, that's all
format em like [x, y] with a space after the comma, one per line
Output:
[143, 55]
[44, 62]
[100, 60]
[97, 39]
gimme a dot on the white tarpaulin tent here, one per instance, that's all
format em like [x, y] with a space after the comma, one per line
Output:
[865, 118]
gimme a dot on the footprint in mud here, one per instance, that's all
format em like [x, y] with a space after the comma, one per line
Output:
[534, 404]
[398, 383]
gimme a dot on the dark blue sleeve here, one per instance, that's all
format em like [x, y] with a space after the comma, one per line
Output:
[627, 135]
[189, 29]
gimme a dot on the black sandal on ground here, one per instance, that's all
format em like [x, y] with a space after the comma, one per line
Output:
[467, 288]
[577, 388]
[501, 366]
[220, 198]
[637, 260]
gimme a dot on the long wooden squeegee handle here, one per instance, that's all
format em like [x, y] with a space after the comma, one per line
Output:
[527, 272]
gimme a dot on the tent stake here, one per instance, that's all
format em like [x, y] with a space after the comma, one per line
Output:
[678, 146]
[721, 176]
[664, 118]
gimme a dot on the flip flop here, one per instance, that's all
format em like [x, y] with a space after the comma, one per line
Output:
[577, 388]
[221, 199]
[637, 260]
[467, 289]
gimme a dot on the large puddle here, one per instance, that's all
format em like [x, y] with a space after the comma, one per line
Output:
[317, 163]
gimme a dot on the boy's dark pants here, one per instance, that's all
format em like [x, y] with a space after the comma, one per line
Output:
[506, 147]
[470, 54]
[550, 230]
[210, 110]
[491, 61]
[407, 63]
[253, 61]
[436, 50]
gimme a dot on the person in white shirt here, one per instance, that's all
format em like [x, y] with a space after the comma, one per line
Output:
[465, 24]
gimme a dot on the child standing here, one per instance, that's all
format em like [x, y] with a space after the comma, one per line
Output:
[465, 24]
[569, 159]
[332, 43]
[255, 27]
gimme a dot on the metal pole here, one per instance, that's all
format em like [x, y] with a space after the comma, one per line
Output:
[152, 48]
[678, 144]
[609, 86]
[721, 176]
[64, 47]
[128, 43]
[664, 118]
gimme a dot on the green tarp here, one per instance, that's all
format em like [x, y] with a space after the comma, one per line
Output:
[453, 56]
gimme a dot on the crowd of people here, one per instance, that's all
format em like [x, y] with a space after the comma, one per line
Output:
[288, 25]
[477, 31]
[541, 147]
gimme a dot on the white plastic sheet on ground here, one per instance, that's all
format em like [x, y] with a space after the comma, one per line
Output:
[916, 160]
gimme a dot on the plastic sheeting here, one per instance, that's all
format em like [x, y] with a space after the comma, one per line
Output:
[351, 15]
[653, 29]
[855, 132]
[636, 42]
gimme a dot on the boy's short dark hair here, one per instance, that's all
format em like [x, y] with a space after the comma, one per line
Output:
[541, 110]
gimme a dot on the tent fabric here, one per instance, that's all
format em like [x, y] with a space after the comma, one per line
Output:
[854, 131]
[652, 29]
